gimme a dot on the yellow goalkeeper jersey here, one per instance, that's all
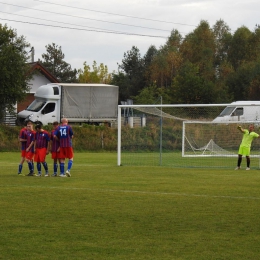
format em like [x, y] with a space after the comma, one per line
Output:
[248, 138]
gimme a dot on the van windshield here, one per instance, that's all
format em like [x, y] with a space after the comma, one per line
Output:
[227, 111]
[36, 106]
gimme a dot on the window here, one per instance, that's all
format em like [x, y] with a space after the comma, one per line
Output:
[55, 90]
[238, 112]
[50, 107]
[36, 105]
[227, 111]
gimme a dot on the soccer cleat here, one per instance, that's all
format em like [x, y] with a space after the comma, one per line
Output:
[68, 173]
[46, 175]
[54, 175]
[30, 174]
[63, 175]
[237, 168]
[38, 175]
[20, 174]
[247, 168]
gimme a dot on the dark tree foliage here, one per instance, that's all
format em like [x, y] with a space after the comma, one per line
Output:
[14, 70]
[239, 47]
[53, 60]
[190, 86]
[123, 81]
[147, 61]
[131, 74]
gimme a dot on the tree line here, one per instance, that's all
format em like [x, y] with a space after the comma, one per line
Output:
[208, 65]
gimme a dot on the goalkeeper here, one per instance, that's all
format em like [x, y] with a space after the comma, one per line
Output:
[245, 146]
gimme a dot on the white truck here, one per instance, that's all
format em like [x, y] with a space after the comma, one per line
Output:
[240, 111]
[79, 103]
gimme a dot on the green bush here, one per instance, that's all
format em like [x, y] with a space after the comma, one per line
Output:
[103, 138]
[9, 138]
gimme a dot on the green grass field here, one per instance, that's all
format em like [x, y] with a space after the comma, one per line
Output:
[140, 212]
[175, 159]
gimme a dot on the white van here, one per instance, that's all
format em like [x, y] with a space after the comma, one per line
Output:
[240, 111]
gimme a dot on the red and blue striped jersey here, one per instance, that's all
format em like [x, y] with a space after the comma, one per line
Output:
[55, 142]
[42, 139]
[30, 136]
[23, 135]
[64, 134]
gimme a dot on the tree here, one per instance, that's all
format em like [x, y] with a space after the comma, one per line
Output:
[133, 68]
[146, 96]
[223, 68]
[254, 87]
[239, 47]
[222, 93]
[53, 60]
[244, 55]
[254, 45]
[99, 74]
[159, 70]
[199, 48]
[222, 40]
[122, 80]
[166, 62]
[151, 94]
[244, 82]
[147, 61]
[14, 74]
[189, 87]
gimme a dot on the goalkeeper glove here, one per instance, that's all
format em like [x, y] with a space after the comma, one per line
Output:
[239, 127]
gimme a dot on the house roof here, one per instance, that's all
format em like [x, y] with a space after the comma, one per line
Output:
[39, 67]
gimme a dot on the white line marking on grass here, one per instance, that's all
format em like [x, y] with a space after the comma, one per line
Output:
[140, 192]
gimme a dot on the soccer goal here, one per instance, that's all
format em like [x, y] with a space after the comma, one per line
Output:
[180, 136]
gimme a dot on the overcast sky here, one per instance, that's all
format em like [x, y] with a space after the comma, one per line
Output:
[103, 30]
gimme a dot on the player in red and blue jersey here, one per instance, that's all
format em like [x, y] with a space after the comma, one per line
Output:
[55, 149]
[30, 137]
[41, 147]
[64, 134]
[22, 139]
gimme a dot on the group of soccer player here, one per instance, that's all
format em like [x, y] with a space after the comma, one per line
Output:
[36, 144]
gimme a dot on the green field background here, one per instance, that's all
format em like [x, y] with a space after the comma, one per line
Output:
[105, 211]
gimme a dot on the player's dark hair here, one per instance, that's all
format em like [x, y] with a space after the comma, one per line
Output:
[38, 127]
[25, 122]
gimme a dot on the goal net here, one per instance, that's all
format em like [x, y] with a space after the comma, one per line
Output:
[180, 136]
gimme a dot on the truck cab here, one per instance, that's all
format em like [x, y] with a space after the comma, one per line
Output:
[45, 108]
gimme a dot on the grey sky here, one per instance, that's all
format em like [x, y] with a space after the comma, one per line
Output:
[159, 17]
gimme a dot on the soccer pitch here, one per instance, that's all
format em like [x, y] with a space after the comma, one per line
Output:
[139, 212]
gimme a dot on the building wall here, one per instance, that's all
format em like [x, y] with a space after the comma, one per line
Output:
[36, 81]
